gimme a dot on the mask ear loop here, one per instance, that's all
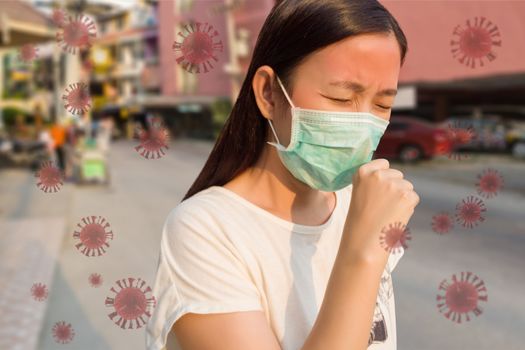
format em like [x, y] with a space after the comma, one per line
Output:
[284, 90]
[274, 133]
[289, 100]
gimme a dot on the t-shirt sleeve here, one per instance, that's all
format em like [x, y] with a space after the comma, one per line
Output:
[198, 271]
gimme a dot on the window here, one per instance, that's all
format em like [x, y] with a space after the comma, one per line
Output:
[120, 23]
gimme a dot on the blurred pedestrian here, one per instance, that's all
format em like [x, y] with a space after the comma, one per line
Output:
[44, 136]
[104, 132]
[58, 134]
[69, 149]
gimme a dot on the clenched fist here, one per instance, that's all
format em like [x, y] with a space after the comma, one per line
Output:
[380, 197]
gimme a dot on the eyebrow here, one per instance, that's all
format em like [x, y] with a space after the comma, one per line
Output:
[356, 87]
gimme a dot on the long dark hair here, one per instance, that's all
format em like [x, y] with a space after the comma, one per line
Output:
[292, 30]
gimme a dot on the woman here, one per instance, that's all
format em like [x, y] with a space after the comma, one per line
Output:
[276, 245]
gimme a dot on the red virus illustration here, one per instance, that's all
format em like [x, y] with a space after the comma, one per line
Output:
[197, 47]
[49, 177]
[394, 237]
[94, 234]
[76, 98]
[469, 212]
[76, 34]
[58, 17]
[442, 223]
[154, 141]
[459, 135]
[95, 279]
[28, 53]
[489, 183]
[132, 303]
[39, 291]
[475, 42]
[460, 297]
[63, 332]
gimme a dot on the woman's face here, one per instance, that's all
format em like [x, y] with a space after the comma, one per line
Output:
[357, 74]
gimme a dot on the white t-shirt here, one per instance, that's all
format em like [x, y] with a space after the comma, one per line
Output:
[222, 253]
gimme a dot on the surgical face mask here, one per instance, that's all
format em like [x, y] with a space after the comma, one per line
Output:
[327, 147]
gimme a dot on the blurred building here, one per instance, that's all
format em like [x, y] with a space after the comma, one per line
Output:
[124, 59]
[231, 28]
[464, 58]
[135, 69]
[21, 24]
[141, 63]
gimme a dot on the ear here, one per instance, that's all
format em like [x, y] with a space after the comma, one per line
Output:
[263, 85]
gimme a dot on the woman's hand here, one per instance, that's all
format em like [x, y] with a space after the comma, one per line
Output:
[380, 197]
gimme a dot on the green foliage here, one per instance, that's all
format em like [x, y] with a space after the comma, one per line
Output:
[221, 109]
[9, 114]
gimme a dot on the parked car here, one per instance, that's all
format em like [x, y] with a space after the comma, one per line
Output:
[410, 139]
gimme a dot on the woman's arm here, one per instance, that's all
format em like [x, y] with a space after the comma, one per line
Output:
[223, 331]
[345, 317]
[344, 320]
[380, 196]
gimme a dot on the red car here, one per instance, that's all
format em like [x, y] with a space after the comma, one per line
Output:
[409, 139]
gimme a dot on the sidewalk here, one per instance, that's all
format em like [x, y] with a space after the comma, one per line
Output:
[29, 250]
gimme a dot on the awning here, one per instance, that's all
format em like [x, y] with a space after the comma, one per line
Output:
[21, 24]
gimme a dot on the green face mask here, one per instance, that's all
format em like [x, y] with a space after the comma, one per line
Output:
[327, 147]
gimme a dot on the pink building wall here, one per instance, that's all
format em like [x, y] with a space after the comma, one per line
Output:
[252, 16]
[429, 27]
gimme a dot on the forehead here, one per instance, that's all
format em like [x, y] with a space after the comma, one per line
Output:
[367, 58]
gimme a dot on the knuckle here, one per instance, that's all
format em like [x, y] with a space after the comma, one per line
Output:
[417, 199]
[413, 198]
[377, 175]
[361, 172]
[391, 186]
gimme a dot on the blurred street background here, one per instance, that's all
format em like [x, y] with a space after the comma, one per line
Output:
[109, 109]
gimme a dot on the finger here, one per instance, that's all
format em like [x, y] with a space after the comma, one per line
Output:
[372, 166]
[412, 198]
[402, 185]
[391, 174]
[406, 185]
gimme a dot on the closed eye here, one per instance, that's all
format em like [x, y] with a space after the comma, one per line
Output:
[339, 100]
[346, 100]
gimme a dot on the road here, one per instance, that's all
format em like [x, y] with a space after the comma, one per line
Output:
[143, 191]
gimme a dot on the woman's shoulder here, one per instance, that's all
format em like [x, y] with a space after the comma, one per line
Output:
[196, 214]
[207, 201]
